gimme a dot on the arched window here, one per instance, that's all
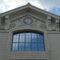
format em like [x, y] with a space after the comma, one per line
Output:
[28, 41]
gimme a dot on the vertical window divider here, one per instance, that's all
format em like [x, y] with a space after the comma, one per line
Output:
[25, 42]
[43, 42]
[18, 41]
[31, 41]
[12, 43]
[37, 43]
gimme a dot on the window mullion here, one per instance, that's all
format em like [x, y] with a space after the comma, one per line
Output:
[31, 41]
[37, 43]
[25, 42]
[18, 41]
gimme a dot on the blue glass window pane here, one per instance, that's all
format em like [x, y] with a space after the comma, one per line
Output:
[34, 40]
[28, 37]
[40, 38]
[15, 38]
[15, 47]
[34, 37]
[41, 49]
[28, 47]
[34, 47]
[28, 42]
[21, 46]
[40, 46]
[22, 37]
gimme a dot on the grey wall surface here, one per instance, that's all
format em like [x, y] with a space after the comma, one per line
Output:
[54, 40]
[3, 45]
[54, 48]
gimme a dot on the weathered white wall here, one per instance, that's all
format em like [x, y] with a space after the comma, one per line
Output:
[54, 41]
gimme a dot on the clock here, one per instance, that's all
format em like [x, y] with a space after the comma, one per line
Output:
[28, 20]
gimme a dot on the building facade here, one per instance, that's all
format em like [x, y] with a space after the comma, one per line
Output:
[29, 33]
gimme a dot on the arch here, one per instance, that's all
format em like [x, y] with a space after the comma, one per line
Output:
[28, 30]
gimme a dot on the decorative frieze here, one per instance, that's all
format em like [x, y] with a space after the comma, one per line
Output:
[12, 25]
[28, 21]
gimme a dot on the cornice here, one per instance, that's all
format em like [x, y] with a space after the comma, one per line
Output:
[29, 6]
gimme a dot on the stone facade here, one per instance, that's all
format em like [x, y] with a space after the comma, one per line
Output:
[29, 17]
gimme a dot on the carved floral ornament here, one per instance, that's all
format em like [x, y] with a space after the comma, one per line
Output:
[28, 20]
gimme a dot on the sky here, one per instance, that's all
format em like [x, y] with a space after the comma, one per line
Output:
[52, 6]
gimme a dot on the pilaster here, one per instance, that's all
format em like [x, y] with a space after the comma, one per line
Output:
[48, 23]
[0, 21]
[7, 22]
[57, 25]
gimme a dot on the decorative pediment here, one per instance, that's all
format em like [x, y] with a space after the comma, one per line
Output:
[27, 20]
[28, 15]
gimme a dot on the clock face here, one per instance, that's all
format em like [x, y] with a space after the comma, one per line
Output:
[28, 20]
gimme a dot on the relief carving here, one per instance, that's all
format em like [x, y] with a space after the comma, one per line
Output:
[27, 20]
[12, 25]
[43, 26]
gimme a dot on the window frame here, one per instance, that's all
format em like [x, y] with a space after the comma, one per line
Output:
[25, 31]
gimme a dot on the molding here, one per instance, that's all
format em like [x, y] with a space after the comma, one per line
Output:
[31, 7]
[19, 21]
[53, 32]
[4, 31]
[32, 15]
